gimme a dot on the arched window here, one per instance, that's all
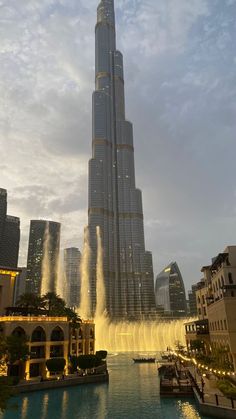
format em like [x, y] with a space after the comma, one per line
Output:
[19, 332]
[80, 336]
[38, 335]
[57, 335]
[91, 334]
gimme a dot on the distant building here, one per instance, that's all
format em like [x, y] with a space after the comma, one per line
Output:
[20, 284]
[43, 256]
[170, 291]
[72, 283]
[9, 234]
[8, 277]
[192, 301]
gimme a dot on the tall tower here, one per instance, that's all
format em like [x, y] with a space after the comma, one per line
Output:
[115, 204]
[72, 283]
[9, 234]
[43, 256]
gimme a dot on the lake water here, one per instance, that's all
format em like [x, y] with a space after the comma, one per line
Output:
[132, 393]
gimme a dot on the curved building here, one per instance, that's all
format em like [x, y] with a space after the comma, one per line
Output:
[170, 291]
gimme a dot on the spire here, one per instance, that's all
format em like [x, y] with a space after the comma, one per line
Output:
[106, 12]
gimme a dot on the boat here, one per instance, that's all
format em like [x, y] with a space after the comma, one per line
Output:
[144, 360]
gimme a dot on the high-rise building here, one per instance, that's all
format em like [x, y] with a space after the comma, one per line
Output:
[170, 291]
[20, 284]
[43, 256]
[192, 300]
[9, 234]
[115, 203]
[3, 211]
[72, 284]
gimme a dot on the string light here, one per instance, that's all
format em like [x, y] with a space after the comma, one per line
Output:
[202, 366]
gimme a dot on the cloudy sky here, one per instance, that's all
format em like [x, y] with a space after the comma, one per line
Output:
[180, 73]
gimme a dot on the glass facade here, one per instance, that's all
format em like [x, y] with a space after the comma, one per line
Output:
[43, 256]
[170, 291]
[72, 282]
[115, 204]
[9, 234]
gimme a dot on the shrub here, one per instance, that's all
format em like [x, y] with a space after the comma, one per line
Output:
[88, 361]
[227, 388]
[56, 364]
[101, 355]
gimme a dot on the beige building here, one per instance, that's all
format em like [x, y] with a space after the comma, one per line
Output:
[49, 337]
[220, 278]
[216, 302]
[7, 287]
[201, 299]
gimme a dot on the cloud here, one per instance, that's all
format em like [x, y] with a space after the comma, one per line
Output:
[180, 93]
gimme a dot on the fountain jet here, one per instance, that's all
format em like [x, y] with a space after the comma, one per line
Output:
[85, 305]
[100, 286]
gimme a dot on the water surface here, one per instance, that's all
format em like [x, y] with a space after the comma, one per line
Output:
[132, 393]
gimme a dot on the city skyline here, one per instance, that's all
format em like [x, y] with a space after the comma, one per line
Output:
[189, 120]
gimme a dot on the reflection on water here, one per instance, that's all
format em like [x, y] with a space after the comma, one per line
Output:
[188, 411]
[132, 393]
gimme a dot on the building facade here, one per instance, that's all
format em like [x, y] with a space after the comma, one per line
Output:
[220, 279]
[216, 302]
[192, 301]
[9, 234]
[43, 256]
[72, 279]
[20, 287]
[48, 337]
[115, 203]
[8, 278]
[170, 291]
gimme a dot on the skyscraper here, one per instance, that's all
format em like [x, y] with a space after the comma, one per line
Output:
[43, 256]
[170, 291]
[9, 234]
[115, 204]
[72, 284]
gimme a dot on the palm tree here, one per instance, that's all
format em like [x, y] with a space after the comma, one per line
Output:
[54, 304]
[31, 301]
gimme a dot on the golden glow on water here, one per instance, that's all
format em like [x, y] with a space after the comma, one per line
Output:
[24, 409]
[187, 411]
[45, 406]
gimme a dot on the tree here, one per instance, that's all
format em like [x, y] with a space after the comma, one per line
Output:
[101, 355]
[5, 393]
[197, 345]
[31, 302]
[17, 350]
[54, 304]
[56, 365]
[74, 363]
[87, 362]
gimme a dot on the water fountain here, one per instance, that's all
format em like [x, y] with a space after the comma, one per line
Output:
[85, 306]
[123, 336]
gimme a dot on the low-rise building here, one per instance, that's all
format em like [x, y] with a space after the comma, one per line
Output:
[216, 304]
[8, 278]
[48, 337]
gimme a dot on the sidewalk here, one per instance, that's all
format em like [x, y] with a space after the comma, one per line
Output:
[212, 395]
